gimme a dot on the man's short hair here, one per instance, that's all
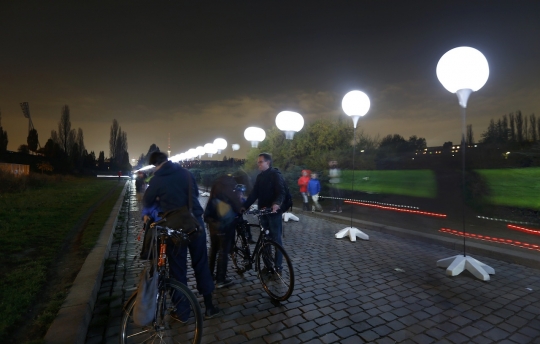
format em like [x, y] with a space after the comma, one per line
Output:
[267, 157]
[157, 158]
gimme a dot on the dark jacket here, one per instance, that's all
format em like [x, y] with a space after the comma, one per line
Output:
[170, 184]
[269, 189]
[223, 190]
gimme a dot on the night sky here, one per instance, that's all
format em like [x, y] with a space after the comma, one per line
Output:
[206, 69]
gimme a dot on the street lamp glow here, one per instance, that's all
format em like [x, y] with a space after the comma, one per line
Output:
[210, 149]
[220, 144]
[200, 151]
[355, 104]
[290, 122]
[254, 135]
[235, 146]
[463, 70]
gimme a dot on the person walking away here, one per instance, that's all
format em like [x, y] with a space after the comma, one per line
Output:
[140, 185]
[269, 190]
[221, 210]
[334, 175]
[170, 184]
[303, 183]
[314, 188]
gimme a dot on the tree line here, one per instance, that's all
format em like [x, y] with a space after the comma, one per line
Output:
[65, 150]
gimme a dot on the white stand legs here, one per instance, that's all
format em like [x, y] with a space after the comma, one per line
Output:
[289, 216]
[456, 264]
[352, 232]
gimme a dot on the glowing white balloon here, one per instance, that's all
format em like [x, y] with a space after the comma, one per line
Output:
[254, 135]
[290, 122]
[355, 104]
[235, 146]
[220, 144]
[200, 151]
[463, 70]
[210, 149]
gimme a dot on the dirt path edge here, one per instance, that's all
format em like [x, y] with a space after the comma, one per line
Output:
[71, 323]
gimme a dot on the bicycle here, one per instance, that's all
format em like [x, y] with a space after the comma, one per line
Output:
[186, 327]
[277, 282]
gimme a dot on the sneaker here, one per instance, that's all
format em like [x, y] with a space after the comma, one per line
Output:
[321, 210]
[178, 318]
[213, 313]
[333, 211]
[225, 283]
[339, 210]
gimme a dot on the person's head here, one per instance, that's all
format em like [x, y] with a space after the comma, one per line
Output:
[314, 176]
[305, 172]
[264, 161]
[157, 158]
[332, 163]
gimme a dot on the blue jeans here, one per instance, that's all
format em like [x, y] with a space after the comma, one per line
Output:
[177, 257]
[273, 223]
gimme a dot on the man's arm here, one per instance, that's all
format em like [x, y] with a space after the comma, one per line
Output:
[279, 190]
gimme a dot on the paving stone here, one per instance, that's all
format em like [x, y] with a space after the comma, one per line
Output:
[336, 300]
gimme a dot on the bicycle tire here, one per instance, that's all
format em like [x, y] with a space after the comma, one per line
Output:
[279, 285]
[241, 254]
[165, 329]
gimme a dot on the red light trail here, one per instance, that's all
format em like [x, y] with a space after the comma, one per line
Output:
[492, 239]
[525, 230]
[397, 209]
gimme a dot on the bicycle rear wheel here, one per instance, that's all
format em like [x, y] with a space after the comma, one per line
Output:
[278, 282]
[165, 329]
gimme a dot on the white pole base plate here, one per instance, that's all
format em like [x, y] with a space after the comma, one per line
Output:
[456, 264]
[352, 232]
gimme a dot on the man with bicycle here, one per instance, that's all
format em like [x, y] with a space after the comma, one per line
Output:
[170, 186]
[269, 189]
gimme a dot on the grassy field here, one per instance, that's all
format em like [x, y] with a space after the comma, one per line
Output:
[416, 183]
[35, 226]
[515, 187]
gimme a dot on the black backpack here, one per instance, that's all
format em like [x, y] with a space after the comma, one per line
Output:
[287, 201]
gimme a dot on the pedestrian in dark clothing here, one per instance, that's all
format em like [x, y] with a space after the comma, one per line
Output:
[221, 210]
[170, 184]
[140, 185]
[269, 189]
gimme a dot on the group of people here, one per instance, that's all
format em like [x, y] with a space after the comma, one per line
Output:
[169, 190]
[310, 186]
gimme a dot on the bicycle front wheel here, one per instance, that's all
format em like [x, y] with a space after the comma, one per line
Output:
[277, 279]
[185, 327]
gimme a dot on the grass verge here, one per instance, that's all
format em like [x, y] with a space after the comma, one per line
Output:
[415, 183]
[514, 187]
[38, 222]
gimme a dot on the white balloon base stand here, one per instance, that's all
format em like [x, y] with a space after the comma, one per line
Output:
[352, 232]
[289, 216]
[456, 264]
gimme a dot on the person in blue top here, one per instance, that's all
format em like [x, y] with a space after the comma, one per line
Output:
[313, 190]
[170, 186]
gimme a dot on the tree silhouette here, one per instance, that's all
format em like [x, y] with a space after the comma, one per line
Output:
[117, 144]
[3, 137]
[32, 140]
[66, 136]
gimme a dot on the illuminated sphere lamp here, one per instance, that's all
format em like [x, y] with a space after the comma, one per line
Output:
[355, 104]
[192, 153]
[220, 144]
[289, 122]
[210, 149]
[254, 135]
[200, 151]
[235, 146]
[463, 70]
